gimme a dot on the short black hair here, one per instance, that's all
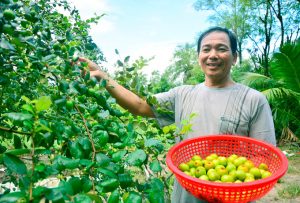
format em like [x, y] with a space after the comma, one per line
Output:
[231, 35]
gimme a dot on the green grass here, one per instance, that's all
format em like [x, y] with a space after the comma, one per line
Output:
[290, 191]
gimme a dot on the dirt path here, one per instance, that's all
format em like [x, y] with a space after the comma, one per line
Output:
[287, 190]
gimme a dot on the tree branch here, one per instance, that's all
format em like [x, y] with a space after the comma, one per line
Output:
[14, 131]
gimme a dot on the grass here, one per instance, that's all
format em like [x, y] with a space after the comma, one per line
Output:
[290, 191]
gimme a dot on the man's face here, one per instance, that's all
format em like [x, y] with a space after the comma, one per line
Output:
[215, 56]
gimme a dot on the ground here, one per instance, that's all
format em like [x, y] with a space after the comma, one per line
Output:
[287, 190]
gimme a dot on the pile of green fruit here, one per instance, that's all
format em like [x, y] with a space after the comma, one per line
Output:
[231, 169]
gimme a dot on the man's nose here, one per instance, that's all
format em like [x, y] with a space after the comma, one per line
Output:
[213, 54]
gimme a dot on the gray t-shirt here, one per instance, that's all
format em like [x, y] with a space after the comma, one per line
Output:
[236, 109]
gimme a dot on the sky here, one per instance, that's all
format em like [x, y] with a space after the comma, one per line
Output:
[148, 28]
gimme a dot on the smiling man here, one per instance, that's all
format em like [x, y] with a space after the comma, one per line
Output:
[221, 105]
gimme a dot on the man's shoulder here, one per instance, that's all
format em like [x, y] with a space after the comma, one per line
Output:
[253, 94]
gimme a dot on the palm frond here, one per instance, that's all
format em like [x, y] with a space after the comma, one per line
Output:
[258, 81]
[285, 66]
[274, 94]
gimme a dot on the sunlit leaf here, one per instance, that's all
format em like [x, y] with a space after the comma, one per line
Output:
[43, 103]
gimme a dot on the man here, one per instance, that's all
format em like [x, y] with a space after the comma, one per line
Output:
[221, 105]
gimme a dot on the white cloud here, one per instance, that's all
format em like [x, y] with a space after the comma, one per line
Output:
[89, 8]
[96, 7]
[162, 53]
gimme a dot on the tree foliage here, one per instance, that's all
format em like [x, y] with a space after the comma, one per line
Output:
[57, 123]
[282, 88]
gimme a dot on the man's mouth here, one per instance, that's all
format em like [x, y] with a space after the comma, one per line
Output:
[213, 65]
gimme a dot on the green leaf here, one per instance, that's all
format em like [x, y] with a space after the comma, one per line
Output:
[82, 198]
[14, 164]
[120, 63]
[76, 150]
[102, 159]
[117, 156]
[107, 172]
[156, 197]
[136, 158]
[17, 142]
[155, 166]
[133, 197]
[126, 59]
[2, 149]
[76, 184]
[152, 142]
[125, 180]
[95, 198]
[28, 107]
[116, 51]
[19, 116]
[110, 184]
[14, 197]
[114, 196]
[285, 66]
[43, 103]
[4, 44]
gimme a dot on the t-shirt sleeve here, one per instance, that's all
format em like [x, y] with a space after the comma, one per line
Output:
[164, 108]
[262, 125]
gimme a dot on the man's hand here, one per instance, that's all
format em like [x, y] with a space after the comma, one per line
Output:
[95, 70]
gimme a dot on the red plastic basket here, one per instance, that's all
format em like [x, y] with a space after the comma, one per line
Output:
[225, 145]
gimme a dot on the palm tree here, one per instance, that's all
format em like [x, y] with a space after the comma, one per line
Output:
[282, 89]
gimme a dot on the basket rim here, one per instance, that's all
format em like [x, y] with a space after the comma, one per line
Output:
[274, 177]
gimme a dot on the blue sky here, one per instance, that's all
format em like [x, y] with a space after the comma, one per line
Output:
[143, 28]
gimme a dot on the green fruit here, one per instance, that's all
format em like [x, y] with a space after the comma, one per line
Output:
[70, 104]
[239, 161]
[230, 167]
[100, 138]
[196, 157]
[216, 162]
[263, 166]
[240, 175]
[255, 172]
[249, 179]
[200, 171]
[233, 174]
[184, 167]
[204, 177]
[249, 164]
[188, 173]
[192, 171]
[214, 156]
[266, 174]
[249, 175]
[213, 175]
[209, 165]
[9, 14]
[191, 163]
[243, 168]
[222, 171]
[232, 157]
[222, 160]
[197, 163]
[227, 178]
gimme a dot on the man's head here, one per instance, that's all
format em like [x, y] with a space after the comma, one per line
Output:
[217, 52]
[231, 36]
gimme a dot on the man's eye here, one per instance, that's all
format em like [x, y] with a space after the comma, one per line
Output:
[205, 50]
[222, 49]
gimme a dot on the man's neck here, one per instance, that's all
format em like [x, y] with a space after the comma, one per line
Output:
[218, 84]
